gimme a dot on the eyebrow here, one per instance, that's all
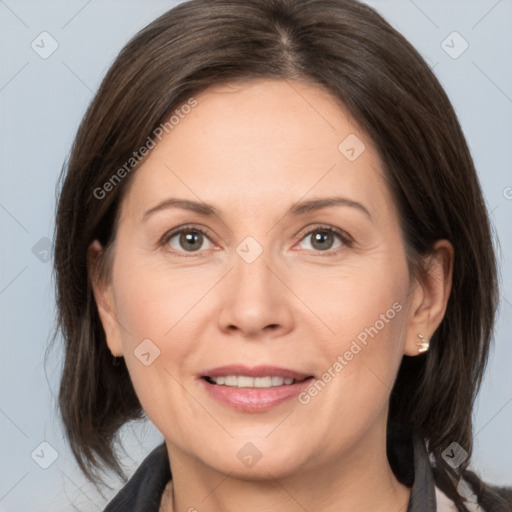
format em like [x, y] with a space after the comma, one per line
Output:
[297, 209]
[201, 208]
[304, 207]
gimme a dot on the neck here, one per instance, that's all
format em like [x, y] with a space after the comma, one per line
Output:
[359, 480]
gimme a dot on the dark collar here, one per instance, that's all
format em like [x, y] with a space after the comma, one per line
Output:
[423, 491]
[143, 492]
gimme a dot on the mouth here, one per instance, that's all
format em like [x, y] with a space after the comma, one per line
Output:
[244, 381]
[254, 389]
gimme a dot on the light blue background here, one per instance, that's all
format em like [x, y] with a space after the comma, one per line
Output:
[41, 104]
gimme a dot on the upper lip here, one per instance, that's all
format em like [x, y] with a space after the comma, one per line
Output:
[255, 371]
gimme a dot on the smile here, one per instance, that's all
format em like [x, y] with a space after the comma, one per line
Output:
[256, 389]
[243, 381]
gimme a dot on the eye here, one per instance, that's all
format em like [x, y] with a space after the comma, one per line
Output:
[323, 239]
[187, 239]
[192, 239]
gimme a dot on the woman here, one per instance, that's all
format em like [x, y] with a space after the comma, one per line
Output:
[271, 240]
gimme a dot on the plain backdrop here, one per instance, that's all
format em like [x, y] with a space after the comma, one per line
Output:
[42, 99]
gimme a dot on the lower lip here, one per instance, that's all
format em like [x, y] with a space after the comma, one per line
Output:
[255, 399]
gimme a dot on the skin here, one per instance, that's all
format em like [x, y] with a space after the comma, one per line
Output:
[252, 150]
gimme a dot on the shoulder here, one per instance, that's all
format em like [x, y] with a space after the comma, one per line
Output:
[477, 495]
[143, 491]
[445, 504]
[492, 498]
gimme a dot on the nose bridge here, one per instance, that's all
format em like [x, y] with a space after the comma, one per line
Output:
[255, 298]
[252, 278]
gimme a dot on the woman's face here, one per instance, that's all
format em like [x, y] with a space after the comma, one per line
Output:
[300, 274]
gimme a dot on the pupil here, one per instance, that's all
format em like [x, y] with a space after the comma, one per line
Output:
[191, 240]
[320, 238]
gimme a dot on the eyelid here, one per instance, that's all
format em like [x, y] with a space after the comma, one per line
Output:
[186, 227]
[345, 237]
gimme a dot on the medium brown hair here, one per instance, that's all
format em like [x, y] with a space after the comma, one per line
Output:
[353, 53]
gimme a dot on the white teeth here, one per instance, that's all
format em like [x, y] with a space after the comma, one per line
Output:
[231, 380]
[242, 381]
[245, 382]
[263, 382]
[277, 381]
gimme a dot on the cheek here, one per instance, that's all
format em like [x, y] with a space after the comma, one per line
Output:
[157, 352]
[154, 309]
[367, 350]
[374, 318]
[365, 309]
[360, 365]
[154, 302]
[359, 302]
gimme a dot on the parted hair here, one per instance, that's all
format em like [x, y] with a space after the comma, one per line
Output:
[349, 50]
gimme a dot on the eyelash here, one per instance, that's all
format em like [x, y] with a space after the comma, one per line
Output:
[344, 237]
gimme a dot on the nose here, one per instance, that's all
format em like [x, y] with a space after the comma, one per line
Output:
[256, 303]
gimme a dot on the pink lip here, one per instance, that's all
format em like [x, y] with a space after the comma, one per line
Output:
[255, 371]
[253, 399]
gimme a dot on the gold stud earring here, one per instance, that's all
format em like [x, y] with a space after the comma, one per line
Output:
[423, 344]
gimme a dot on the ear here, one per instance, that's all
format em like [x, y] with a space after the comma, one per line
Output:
[105, 301]
[429, 296]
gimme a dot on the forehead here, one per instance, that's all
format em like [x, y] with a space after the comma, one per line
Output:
[258, 144]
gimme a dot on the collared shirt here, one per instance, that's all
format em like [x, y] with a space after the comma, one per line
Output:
[143, 492]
